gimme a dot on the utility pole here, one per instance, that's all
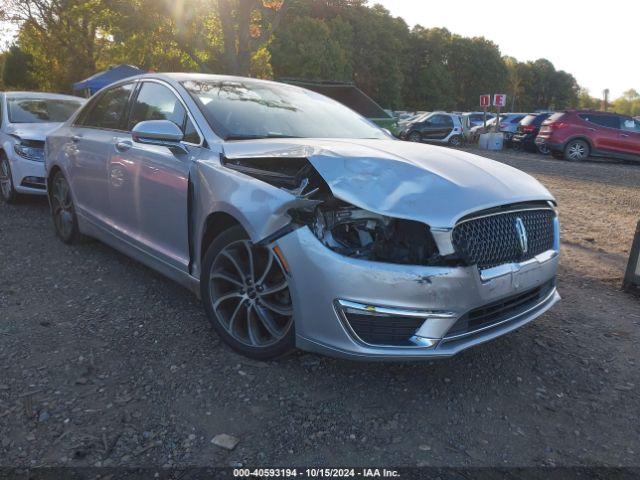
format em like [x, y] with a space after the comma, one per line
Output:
[605, 99]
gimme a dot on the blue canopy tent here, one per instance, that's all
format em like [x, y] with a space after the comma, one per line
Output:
[96, 82]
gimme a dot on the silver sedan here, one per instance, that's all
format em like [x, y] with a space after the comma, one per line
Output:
[299, 223]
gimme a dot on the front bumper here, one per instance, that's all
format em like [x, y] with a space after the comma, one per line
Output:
[28, 176]
[324, 280]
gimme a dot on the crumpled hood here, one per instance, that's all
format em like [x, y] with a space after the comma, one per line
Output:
[32, 131]
[434, 185]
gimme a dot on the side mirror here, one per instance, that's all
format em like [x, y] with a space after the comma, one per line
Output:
[387, 131]
[159, 132]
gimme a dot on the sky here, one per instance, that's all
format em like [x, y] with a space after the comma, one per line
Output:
[596, 41]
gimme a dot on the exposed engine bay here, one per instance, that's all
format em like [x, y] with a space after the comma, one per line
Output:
[343, 228]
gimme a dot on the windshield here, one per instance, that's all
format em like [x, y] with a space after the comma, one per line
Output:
[245, 109]
[41, 110]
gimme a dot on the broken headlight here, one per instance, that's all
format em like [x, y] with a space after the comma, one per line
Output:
[357, 233]
[31, 150]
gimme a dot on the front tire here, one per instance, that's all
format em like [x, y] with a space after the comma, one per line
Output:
[455, 141]
[415, 137]
[7, 190]
[576, 151]
[63, 211]
[245, 291]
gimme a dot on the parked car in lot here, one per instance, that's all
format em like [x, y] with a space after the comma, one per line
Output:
[436, 127]
[527, 131]
[475, 119]
[576, 134]
[509, 123]
[25, 120]
[301, 224]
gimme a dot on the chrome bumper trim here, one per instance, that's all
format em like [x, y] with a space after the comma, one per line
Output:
[542, 302]
[342, 306]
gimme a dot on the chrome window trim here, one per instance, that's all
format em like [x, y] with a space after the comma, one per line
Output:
[137, 84]
[91, 103]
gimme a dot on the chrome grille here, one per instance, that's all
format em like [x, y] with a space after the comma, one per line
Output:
[492, 240]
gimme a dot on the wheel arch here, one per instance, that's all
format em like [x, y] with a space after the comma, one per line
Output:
[579, 137]
[214, 225]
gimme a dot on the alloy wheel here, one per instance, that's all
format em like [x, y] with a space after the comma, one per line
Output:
[577, 151]
[62, 207]
[6, 183]
[250, 294]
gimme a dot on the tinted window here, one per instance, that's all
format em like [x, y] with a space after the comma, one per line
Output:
[109, 109]
[441, 120]
[556, 116]
[608, 121]
[40, 110]
[630, 125]
[528, 120]
[244, 109]
[157, 102]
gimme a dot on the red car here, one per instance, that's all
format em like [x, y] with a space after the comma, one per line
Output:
[576, 134]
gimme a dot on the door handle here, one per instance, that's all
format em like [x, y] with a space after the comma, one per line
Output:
[123, 146]
[624, 135]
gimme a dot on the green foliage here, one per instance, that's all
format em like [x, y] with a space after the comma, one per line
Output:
[17, 70]
[586, 101]
[313, 49]
[628, 104]
[63, 41]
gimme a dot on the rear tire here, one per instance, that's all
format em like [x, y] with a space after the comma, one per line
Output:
[63, 211]
[7, 189]
[245, 292]
[543, 149]
[577, 151]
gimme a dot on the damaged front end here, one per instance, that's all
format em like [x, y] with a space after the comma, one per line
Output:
[342, 227]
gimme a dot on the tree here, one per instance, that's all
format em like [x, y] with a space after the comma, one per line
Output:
[628, 103]
[586, 101]
[17, 70]
[247, 26]
[314, 49]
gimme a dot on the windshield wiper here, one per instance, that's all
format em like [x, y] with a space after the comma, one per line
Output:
[257, 137]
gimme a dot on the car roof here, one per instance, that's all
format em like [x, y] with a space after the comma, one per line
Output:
[43, 95]
[183, 77]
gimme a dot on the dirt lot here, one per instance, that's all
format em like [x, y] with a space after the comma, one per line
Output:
[104, 362]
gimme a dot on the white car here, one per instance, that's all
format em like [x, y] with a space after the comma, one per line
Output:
[25, 120]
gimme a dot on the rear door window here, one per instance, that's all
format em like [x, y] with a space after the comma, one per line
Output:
[609, 121]
[109, 110]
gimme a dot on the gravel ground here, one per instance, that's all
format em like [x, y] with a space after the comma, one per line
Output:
[104, 362]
